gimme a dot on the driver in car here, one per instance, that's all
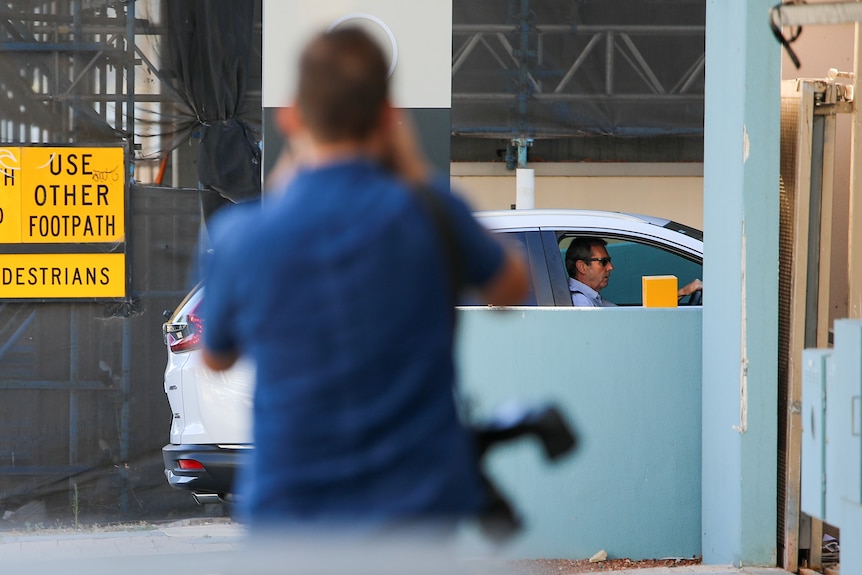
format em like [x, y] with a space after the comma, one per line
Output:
[589, 267]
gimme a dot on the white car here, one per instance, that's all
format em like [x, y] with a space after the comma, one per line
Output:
[211, 422]
[210, 428]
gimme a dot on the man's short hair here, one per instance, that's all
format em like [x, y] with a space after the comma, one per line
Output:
[343, 84]
[581, 248]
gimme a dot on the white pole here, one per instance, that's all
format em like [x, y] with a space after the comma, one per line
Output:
[854, 250]
[525, 190]
[175, 168]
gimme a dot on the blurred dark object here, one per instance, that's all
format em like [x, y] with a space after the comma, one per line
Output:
[499, 521]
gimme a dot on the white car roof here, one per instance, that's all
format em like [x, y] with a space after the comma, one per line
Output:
[598, 222]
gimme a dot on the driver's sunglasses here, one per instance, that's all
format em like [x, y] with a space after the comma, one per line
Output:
[603, 261]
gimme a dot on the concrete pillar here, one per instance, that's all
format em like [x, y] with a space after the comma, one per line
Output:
[525, 188]
[740, 314]
[418, 42]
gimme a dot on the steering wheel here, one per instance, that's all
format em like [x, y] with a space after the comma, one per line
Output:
[694, 298]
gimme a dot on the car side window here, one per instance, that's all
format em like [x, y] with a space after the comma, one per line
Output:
[526, 241]
[633, 259]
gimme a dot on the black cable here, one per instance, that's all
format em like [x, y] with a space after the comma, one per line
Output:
[779, 35]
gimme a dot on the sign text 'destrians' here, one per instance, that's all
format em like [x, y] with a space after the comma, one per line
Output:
[54, 276]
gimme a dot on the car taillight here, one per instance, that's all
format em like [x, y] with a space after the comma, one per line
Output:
[190, 337]
[190, 464]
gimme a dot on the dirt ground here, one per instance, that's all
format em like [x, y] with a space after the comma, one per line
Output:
[571, 567]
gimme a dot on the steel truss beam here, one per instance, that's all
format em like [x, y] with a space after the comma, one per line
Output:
[620, 44]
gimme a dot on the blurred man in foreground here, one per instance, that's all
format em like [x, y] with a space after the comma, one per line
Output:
[341, 291]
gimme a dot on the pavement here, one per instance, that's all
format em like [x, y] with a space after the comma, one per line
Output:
[702, 570]
[218, 546]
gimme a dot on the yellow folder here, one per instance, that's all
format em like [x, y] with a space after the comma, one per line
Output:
[660, 291]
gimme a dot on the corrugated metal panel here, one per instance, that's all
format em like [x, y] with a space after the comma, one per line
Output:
[807, 147]
[789, 137]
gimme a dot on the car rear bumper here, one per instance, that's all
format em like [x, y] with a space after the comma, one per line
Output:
[219, 464]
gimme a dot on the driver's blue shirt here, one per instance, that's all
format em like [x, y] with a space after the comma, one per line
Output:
[338, 290]
[585, 296]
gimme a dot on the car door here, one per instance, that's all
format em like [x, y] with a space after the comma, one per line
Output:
[535, 248]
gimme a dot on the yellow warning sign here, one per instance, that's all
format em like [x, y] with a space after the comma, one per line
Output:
[10, 195]
[62, 195]
[48, 276]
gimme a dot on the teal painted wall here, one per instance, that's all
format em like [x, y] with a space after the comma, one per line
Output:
[740, 320]
[630, 382]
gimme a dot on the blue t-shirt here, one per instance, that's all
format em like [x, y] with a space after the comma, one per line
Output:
[338, 289]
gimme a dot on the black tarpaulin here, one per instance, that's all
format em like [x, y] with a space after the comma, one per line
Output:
[211, 46]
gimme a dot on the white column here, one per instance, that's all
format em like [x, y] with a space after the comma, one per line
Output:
[525, 189]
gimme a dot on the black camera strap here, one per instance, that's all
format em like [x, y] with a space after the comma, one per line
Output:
[439, 215]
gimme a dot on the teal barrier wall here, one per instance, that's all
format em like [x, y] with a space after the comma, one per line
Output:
[630, 381]
[742, 128]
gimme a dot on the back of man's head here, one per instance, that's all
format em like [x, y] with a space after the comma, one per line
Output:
[343, 85]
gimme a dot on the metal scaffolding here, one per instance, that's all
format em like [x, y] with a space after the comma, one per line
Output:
[68, 71]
